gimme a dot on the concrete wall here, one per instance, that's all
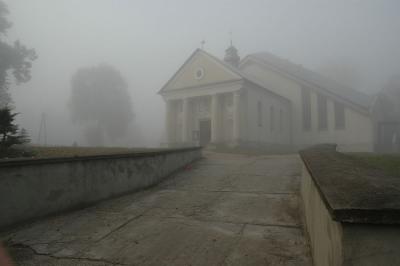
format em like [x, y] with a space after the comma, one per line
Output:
[371, 245]
[334, 243]
[325, 234]
[357, 135]
[33, 188]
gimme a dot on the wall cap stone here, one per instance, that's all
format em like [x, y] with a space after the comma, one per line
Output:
[353, 192]
[54, 160]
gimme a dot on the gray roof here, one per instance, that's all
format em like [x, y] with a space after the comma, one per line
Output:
[387, 106]
[243, 75]
[319, 81]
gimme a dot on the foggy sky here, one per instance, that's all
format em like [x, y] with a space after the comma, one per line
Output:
[149, 40]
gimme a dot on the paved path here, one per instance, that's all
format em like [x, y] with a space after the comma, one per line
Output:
[226, 209]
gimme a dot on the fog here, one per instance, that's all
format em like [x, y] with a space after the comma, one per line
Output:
[147, 41]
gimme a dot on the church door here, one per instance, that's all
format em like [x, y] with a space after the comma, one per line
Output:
[205, 132]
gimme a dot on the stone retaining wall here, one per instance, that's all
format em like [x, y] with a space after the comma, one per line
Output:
[352, 212]
[325, 235]
[31, 188]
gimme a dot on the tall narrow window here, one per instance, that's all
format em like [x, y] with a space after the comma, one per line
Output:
[272, 118]
[340, 118]
[322, 112]
[281, 120]
[259, 114]
[229, 100]
[179, 106]
[306, 100]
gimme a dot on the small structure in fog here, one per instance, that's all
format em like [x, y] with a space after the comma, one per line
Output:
[262, 101]
[386, 114]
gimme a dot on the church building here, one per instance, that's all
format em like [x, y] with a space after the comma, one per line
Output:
[262, 101]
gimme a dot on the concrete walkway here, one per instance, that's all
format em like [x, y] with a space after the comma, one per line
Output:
[226, 209]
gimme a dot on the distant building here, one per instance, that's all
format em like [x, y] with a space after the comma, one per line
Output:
[386, 115]
[263, 101]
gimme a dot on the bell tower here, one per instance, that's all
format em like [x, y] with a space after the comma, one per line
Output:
[231, 54]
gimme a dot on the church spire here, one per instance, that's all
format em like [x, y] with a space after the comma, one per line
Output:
[231, 54]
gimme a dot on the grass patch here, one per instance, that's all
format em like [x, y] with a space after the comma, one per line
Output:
[390, 163]
[59, 151]
[262, 150]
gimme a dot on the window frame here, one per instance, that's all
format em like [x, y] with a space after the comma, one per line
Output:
[340, 116]
[322, 107]
[306, 108]
[272, 118]
[259, 114]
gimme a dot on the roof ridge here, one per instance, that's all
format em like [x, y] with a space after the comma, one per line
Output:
[312, 77]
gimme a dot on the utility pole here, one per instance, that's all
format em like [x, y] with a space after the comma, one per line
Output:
[42, 130]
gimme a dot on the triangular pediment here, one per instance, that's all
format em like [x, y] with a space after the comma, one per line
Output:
[200, 69]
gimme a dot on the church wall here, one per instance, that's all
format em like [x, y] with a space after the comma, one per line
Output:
[257, 127]
[357, 135]
[287, 89]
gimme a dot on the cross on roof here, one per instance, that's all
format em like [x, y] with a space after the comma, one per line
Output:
[203, 42]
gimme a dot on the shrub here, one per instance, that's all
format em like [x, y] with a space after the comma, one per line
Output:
[10, 134]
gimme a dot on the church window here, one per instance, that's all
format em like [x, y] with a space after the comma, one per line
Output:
[322, 112]
[259, 113]
[179, 106]
[306, 100]
[340, 118]
[199, 73]
[272, 118]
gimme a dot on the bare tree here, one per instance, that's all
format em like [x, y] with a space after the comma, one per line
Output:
[13, 57]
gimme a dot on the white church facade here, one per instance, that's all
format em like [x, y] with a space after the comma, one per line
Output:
[262, 101]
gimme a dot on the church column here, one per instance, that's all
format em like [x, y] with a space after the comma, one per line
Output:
[236, 116]
[169, 122]
[214, 118]
[185, 120]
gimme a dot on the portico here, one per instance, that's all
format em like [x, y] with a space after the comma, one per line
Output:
[203, 119]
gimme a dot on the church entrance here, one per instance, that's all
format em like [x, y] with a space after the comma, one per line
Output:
[205, 132]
